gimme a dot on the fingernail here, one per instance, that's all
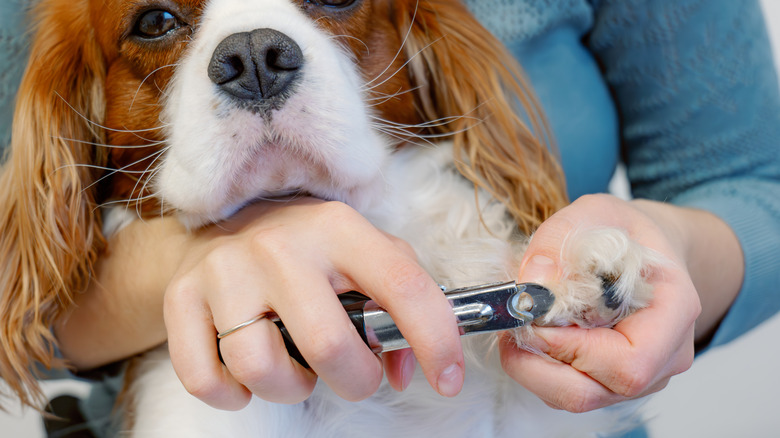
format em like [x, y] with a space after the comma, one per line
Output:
[539, 269]
[450, 381]
[407, 370]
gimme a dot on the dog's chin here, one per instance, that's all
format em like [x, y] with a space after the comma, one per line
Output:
[193, 220]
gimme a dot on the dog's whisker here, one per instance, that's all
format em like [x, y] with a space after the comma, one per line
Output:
[138, 90]
[437, 123]
[152, 171]
[405, 138]
[382, 98]
[413, 130]
[335, 37]
[123, 169]
[124, 201]
[142, 138]
[386, 97]
[146, 182]
[397, 53]
[403, 66]
[160, 196]
[107, 169]
[444, 121]
[106, 145]
[103, 127]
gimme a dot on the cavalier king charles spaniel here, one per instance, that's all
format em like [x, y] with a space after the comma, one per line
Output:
[407, 110]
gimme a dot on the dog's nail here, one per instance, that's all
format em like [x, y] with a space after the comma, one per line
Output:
[612, 299]
[539, 270]
[450, 381]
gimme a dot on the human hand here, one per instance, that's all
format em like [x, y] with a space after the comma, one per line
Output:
[594, 368]
[292, 259]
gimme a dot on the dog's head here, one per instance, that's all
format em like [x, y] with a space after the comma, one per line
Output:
[198, 107]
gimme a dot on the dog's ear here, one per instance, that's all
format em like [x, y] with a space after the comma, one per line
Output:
[50, 226]
[465, 77]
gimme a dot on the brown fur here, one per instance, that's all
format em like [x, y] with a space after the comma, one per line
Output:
[83, 75]
[467, 72]
[51, 232]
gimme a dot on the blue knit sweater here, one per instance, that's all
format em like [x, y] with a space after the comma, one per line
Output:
[683, 91]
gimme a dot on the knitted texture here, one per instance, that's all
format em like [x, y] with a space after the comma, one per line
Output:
[13, 58]
[697, 94]
[515, 20]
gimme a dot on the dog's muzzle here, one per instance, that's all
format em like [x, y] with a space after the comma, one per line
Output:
[257, 68]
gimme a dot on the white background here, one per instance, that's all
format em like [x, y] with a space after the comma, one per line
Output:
[730, 391]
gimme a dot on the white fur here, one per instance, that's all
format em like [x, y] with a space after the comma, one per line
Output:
[222, 157]
[321, 141]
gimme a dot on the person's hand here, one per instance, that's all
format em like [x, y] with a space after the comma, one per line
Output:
[292, 259]
[594, 368]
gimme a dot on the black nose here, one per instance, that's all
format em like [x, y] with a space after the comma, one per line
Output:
[256, 67]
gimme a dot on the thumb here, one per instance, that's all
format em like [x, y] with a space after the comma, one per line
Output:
[542, 259]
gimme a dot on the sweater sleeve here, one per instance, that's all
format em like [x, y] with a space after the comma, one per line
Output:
[697, 95]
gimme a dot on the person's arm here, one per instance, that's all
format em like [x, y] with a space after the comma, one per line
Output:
[697, 92]
[600, 367]
[700, 122]
[712, 254]
[121, 313]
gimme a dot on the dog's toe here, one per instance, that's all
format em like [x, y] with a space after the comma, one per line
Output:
[604, 278]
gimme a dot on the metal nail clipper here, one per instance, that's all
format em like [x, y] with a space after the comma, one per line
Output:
[478, 309]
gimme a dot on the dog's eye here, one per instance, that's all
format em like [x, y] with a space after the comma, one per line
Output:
[154, 24]
[332, 3]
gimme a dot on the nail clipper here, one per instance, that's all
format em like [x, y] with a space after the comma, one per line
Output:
[478, 309]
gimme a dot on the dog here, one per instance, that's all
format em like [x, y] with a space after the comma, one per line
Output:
[408, 111]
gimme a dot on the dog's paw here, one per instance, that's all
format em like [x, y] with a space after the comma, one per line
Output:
[603, 278]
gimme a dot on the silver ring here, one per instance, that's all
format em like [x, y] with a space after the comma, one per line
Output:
[240, 326]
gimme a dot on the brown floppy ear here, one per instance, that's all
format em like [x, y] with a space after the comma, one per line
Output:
[464, 74]
[50, 226]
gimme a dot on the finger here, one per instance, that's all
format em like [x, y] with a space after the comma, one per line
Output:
[655, 388]
[419, 309]
[399, 368]
[401, 245]
[557, 384]
[256, 357]
[542, 257]
[329, 341]
[342, 283]
[193, 349]
[627, 360]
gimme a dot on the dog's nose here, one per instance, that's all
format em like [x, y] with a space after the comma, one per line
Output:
[256, 67]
